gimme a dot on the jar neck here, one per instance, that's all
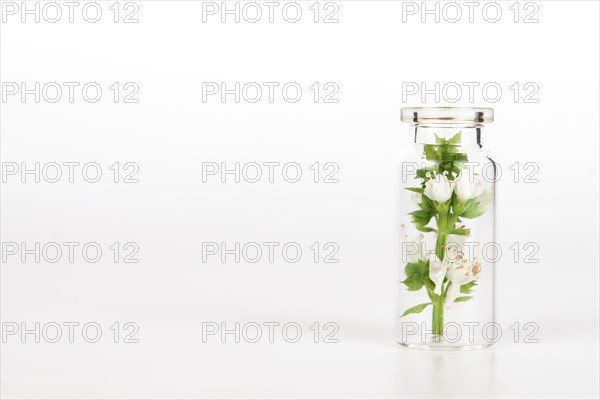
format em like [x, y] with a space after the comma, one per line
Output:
[470, 135]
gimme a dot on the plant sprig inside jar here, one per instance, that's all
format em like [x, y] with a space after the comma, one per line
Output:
[449, 193]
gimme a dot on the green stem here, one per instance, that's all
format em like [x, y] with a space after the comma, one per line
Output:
[438, 316]
[442, 222]
[445, 223]
[440, 243]
[438, 301]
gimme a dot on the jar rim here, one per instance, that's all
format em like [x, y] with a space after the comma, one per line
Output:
[443, 115]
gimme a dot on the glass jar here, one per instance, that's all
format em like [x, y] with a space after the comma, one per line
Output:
[445, 292]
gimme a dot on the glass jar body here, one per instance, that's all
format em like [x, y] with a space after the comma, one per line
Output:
[445, 290]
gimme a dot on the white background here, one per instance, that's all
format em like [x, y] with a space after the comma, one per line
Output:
[369, 53]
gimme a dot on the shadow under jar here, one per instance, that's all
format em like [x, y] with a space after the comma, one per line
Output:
[445, 294]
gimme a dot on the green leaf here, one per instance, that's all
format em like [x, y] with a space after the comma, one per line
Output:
[415, 189]
[432, 153]
[427, 204]
[413, 283]
[422, 172]
[462, 232]
[421, 214]
[469, 209]
[463, 298]
[425, 229]
[468, 287]
[415, 310]
[417, 275]
[420, 268]
[446, 155]
[473, 213]
[421, 217]
[455, 140]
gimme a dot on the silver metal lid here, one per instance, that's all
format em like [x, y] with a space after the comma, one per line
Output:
[453, 115]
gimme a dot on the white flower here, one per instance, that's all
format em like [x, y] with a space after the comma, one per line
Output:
[468, 185]
[438, 269]
[460, 273]
[438, 188]
[437, 272]
[454, 247]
